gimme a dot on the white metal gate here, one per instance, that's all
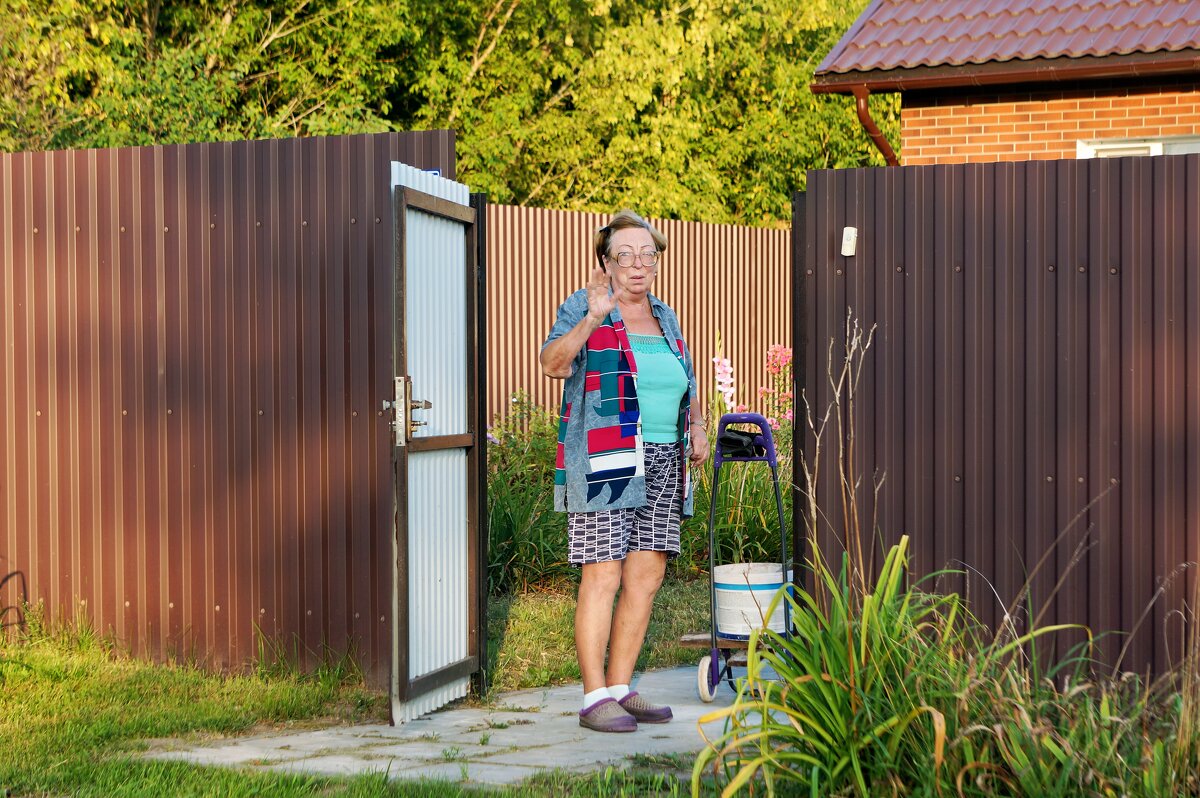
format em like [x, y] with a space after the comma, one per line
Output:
[437, 637]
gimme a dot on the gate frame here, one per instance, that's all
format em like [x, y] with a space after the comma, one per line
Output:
[474, 664]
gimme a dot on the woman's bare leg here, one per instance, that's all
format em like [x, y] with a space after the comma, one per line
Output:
[640, 580]
[593, 617]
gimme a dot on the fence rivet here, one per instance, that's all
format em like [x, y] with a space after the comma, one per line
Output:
[1113, 270]
[356, 614]
[839, 271]
[170, 605]
[39, 412]
[382, 619]
[1112, 480]
[900, 269]
[124, 412]
[166, 229]
[353, 220]
[260, 412]
[1050, 267]
[354, 413]
[377, 222]
[309, 612]
[262, 610]
[958, 268]
[76, 228]
[218, 609]
[126, 603]
[258, 224]
[169, 411]
[212, 225]
[809, 272]
[304, 223]
[35, 231]
[1079, 480]
[957, 478]
[1082, 269]
[1049, 479]
[122, 228]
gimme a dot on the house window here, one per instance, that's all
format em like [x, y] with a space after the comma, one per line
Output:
[1123, 148]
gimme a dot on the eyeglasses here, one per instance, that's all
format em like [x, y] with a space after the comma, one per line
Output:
[627, 258]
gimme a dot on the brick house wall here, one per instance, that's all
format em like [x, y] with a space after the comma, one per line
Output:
[956, 127]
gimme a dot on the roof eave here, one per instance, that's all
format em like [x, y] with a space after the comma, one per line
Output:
[1036, 70]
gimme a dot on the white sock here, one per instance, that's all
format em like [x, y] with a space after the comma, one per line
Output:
[594, 696]
[618, 691]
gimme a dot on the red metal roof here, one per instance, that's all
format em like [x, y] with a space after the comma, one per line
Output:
[903, 34]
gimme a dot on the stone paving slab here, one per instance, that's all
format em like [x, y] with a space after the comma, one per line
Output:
[472, 773]
[342, 765]
[503, 744]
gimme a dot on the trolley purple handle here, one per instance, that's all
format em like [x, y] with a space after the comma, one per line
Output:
[763, 439]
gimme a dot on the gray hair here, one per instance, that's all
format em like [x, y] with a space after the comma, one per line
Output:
[622, 220]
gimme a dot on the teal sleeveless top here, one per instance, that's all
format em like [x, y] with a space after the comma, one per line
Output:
[661, 383]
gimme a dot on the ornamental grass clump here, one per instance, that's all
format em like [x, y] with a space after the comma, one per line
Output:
[907, 695]
[852, 701]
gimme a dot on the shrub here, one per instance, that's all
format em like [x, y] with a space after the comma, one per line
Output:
[527, 539]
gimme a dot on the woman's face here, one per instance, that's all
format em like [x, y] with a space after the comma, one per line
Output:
[628, 244]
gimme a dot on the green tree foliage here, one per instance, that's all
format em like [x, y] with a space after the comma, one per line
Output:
[48, 52]
[693, 109]
[101, 73]
[685, 108]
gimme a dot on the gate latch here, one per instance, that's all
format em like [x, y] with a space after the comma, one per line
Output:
[399, 407]
[416, 404]
[403, 424]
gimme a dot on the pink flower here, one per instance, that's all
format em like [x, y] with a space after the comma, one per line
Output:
[778, 357]
[725, 384]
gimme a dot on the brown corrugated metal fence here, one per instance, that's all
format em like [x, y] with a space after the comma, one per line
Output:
[1034, 382]
[736, 280]
[194, 345]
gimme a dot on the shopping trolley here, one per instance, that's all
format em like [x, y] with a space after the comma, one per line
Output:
[727, 643]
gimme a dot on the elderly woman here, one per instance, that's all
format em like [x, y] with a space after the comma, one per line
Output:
[630, 422]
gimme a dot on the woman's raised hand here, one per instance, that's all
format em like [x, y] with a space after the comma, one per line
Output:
[600, 301]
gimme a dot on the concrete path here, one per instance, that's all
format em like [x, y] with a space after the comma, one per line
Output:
[522, 733]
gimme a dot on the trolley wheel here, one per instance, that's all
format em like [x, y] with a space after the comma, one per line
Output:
[704, 683]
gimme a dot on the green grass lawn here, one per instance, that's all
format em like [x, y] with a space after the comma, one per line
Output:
[75, 711]
[531, 636]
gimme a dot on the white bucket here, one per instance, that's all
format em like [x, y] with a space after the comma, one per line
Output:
[744, 592]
